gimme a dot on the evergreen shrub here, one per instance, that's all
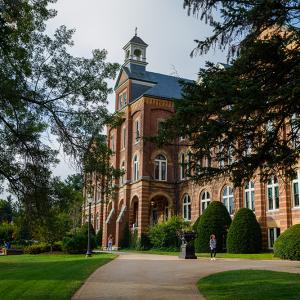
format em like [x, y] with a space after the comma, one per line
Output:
[287, 246]
[37, 248]
[164, 235]
[214, 220]
[244, 234]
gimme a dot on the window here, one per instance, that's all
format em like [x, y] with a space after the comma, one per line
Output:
[97, 221]
[295, 136]
[135, 168]
[124, 138]
[182, 166]
[273, 193]
[228, 199]
[188, 165]
[273, 234]
[205, 200]
[296, 184]
[137, 131]
[221, 156]
[249, 195]
[160, 168]
[112, 143]
[123, 175]
[122, 100]
[187, 208]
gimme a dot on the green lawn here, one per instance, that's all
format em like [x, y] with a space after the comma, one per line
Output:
[249, 285]
[258, 256]
[38, 277]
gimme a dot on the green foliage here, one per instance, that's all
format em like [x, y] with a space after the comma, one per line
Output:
[214, 220]
[7, 232]
[6, 211]
[77, 242]
[287, 245]
[164, 235]
[245, 97]
[99, 238]
[125, 241]
[244, 234]
[195, 225]
[37, 248]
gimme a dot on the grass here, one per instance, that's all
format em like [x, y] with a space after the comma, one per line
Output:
[258, 256]
[249, 285]
[38, 277]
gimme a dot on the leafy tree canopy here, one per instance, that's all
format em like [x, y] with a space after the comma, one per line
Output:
[44, 90]
[242, 119]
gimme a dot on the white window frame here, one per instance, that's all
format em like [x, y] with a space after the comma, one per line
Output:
[160, 162]
[250, 195]
[135, 168]
[295, 139]
[204, 200]
[273, 186]
[276, 234]
[296, 181]
[187, 208]
[228, 198]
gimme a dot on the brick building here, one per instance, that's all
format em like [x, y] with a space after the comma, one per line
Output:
[154, 186]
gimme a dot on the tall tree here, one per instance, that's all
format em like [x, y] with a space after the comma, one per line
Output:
[243, 117]
[44, 90]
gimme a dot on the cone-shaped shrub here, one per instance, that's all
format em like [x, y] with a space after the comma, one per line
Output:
[214, 220]
[287, 246]
[244, 235]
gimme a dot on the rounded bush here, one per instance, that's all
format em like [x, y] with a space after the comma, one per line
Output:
[244, 234]
[37, 248]
[214, 220]
[287, 246]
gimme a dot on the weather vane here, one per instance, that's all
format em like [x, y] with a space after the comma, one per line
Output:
[136, 31]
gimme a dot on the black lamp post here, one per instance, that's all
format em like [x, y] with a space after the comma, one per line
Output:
[89, 200]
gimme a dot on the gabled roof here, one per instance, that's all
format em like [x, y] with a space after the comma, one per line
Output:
[165, 86]
[137, 40]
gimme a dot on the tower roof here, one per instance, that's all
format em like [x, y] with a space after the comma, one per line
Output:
[137, 40]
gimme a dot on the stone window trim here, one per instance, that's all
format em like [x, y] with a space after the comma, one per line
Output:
[124, 137]
[135, 168]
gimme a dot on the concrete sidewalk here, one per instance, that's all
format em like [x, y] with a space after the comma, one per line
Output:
[147, 276]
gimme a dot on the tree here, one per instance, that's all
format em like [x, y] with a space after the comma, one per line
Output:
[214, 220]
[243, 117]
[6, 211]
[244, 234]
[44, 90]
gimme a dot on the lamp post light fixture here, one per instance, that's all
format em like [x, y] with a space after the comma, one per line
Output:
[89, 200]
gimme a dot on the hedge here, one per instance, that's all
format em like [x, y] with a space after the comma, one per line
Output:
[214, 220]
[287, 246]
[244, 234]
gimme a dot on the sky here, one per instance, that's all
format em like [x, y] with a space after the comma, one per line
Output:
[163, 24]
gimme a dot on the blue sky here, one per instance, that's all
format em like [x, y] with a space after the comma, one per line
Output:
[162, 24]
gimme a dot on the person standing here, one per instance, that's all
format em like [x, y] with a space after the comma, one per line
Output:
[213, 247]
[110, 242]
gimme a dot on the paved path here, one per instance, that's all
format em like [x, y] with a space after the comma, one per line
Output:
[146, 276]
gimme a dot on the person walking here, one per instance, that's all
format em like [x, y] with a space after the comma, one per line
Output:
[110, 242]
[213, 247]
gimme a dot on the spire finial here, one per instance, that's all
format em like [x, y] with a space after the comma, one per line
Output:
[135, 31]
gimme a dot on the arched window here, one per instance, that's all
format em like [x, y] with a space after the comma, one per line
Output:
[296, 184]
[160, 168]
[187, 212]
[273, 193]
[182, 166]
[249, 195]
[135, 168]
[205, 200]
[123, 175]
[228, 199]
